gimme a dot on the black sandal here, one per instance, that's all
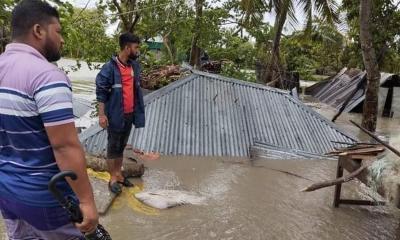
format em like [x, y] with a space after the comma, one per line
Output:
[126, 183]
[115, 188]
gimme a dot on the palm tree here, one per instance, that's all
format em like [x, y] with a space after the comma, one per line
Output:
[284, 9]
[370, 111]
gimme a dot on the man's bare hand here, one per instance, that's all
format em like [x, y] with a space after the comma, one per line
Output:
[90, 218]
[103, 121]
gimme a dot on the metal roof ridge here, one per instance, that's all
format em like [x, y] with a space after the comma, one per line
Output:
[240, 82]
[288, 150]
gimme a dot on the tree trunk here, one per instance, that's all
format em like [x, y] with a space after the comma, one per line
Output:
[195, 50]
[129, 18]
[167, 46]
[273, 68]
[4, 38]
[370, 111]
[130, 168]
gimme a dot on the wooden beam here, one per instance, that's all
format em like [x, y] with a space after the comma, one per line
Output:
[392, 194]
[395, 151]
[361, 202]
[336, 181]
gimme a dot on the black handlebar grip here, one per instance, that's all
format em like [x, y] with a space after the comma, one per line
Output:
[67, 203]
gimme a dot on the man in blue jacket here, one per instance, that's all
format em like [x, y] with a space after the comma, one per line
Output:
[120, 104]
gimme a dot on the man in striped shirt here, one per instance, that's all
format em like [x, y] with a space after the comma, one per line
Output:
[37, 132]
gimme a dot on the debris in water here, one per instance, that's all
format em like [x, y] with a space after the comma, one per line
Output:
[149, 156]
[130, 167]
[163, 199]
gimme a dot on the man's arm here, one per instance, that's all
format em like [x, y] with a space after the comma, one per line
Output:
[103, 87]
[70, 156]
[103, 120]
[53, 98]
[103, 83]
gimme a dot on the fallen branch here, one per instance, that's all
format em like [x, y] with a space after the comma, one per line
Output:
[273, 83]
[355, 144]
[364, 151]
[360, 147]
[362, 157]
[129, 168]
[337, 181]
[395, 151]
[374, 151]
[161, 76]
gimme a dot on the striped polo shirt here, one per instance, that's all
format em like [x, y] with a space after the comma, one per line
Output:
[33, 94]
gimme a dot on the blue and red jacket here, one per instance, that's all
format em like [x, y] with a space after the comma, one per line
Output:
[109, 92]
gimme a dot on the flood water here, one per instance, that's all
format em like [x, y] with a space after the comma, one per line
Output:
[255, 200]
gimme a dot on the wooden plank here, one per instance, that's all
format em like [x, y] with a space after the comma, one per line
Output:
[395, 151]
[361, 202]
[338, 188]
[358, 147]
[363, 157]
[351, 165]
[373, 151]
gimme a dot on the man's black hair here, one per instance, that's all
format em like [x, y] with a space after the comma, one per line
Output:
[127, 38]
[28, 13]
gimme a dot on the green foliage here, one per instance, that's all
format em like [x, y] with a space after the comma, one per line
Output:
[5, 16]
[6, 7]
[385, 31]
[173, 22]
[298, 56]
[248, 14]
[320, 49]
[148, 59]
[5, 11]
[230, 47]
[85, 36]
[230, 69]
[232, 32]
[211, 31]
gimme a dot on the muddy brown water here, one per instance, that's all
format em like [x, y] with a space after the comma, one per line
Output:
[254, 200]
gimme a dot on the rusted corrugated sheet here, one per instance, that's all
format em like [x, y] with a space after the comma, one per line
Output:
[210, 115]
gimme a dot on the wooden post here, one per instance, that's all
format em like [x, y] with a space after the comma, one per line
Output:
[345, 162]
[338, 188]
[388, 103]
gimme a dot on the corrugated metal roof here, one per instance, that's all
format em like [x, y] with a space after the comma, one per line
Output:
[80, 106]
[210, 115]
[268, 151]
[336, 90]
